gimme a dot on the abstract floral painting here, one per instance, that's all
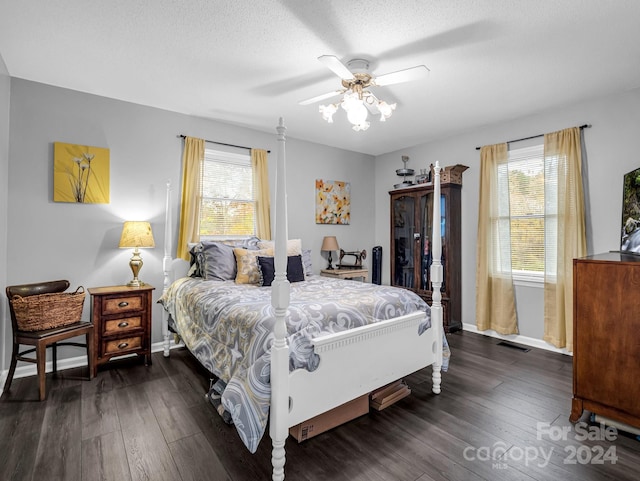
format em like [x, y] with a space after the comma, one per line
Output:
[333, 202]
[80, 174]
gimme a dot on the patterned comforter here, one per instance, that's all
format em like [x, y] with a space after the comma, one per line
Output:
[229, 329]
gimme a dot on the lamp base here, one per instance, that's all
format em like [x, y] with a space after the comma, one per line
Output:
[330, 267]
[136, 264]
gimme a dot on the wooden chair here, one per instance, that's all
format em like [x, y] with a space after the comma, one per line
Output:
[45, 338]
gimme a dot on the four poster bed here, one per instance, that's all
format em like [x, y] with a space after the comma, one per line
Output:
[299, 349]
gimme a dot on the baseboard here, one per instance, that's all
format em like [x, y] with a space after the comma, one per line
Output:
[517, 338]
[28, 369]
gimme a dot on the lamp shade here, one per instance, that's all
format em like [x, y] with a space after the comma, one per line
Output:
[330, 243]
[136, 234]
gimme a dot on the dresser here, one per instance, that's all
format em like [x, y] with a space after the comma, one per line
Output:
[121, 317]
[606, 333]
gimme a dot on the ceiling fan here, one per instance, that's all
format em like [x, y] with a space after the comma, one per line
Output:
[356, 81]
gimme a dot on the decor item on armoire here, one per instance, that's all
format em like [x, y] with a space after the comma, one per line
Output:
[630, 240]
[329, 244]
[136, 234]
[411, 224]
[80, 174]
[333, 202]
[404, 173]
[357, 101]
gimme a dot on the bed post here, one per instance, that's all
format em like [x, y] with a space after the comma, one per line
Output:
[436, 281]
[166, 268]
[279, 426]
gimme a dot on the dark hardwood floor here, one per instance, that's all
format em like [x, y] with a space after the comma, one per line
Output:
[153, 423]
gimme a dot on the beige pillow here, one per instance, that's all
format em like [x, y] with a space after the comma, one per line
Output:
[247, 264]
[294, 246]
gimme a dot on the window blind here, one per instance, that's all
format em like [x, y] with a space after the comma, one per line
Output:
[228, 202]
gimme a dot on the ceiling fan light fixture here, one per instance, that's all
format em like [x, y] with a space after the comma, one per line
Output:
[356, 112]
[361, 126]
[356, 99]
[386, 110]
[327, 112]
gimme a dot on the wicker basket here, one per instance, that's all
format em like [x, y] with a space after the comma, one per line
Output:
[46, 311]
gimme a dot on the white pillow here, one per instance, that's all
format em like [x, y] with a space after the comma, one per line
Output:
[294, 246]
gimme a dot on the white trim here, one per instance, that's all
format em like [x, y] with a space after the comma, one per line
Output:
[528, 279]
[517, 338]
[28, 369]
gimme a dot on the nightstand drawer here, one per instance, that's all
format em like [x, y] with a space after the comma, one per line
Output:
[122, 304]
[121, 346]
[123, 324]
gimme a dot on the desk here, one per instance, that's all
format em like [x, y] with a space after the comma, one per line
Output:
[346, 273]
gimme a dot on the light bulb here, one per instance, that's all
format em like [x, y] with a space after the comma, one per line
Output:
[327, 112]
[385, 110]
[357, 113]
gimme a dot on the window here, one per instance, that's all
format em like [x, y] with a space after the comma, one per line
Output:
[228, 204]
[525, 176]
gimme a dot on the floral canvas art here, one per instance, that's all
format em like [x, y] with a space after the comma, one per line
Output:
[333, 202]
[80, 174]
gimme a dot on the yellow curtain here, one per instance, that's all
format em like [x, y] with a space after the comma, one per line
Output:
[495, 298]
[192, 160]
[563, 180]
[260, 168]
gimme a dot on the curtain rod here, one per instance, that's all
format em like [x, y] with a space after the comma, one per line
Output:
[585, 126]
[182, 136]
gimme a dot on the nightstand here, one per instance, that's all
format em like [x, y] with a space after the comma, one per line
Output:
[346, 273]
[121, 317]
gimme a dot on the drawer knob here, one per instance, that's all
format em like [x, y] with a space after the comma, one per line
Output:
[122, 345]
[123, 304]
[123, 324]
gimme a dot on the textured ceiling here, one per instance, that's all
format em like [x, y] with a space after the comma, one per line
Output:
[250, 62]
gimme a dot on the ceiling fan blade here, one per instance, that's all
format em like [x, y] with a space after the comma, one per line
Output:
[320, 97]
[406, 75]
[336, 66]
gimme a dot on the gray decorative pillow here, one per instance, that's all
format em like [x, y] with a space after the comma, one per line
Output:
[197, 260]
[306, 262]
[214, 260]
[219, 261]
[252, 243]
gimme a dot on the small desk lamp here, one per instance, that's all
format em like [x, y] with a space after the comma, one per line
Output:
[330, 244]
[136, 234]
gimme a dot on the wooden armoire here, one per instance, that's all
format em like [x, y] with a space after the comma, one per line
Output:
[411, 226]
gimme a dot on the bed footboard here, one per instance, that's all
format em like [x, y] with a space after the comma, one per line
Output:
[358, 361]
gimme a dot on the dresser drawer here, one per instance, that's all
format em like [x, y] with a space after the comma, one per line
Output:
[121, 304]
[123, 324]
[121, 346]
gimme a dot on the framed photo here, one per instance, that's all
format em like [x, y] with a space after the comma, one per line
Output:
[80, 174]
[333, 202]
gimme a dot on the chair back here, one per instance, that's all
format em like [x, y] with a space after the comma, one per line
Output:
[25, 290]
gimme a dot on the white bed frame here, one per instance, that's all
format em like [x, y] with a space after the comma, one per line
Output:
[387, 350]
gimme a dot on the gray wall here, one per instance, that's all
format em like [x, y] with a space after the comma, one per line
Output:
[48, 240]
[5, 94]
[611, 151]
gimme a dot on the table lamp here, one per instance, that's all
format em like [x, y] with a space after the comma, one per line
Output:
[330, 244]
[136, 234]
